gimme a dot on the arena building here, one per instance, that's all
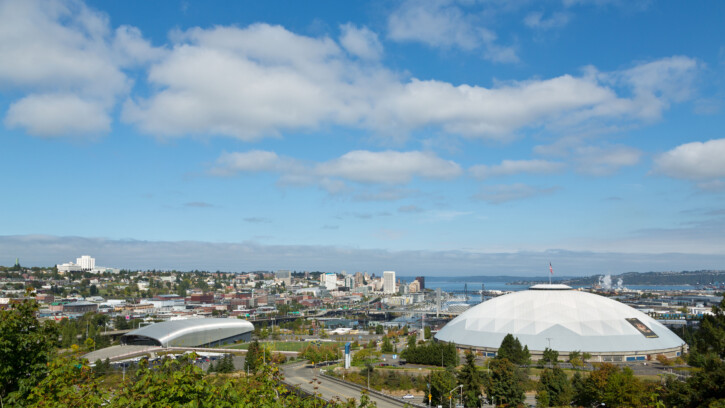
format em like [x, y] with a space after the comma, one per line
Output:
[190, 333]
[565, 320]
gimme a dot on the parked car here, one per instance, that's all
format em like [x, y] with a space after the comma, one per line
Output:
[409, 396]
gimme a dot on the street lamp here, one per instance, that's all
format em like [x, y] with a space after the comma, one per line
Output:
[450, 395]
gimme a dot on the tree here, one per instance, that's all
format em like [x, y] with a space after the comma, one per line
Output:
[554, 388]
[575, 358]
[431, 353]
[549, 356]
[387, 346]
[252, 360]
[471, 380]
[426, 333]
[26, 347]
[441, 382]
[504, 385]
[511, 350]
[379, 329]
[412, 339]
[120, 323]
[610, 386]
[708, 342]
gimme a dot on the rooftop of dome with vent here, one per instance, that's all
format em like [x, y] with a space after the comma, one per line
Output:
[550, 286]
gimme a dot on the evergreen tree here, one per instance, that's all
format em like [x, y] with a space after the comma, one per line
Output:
[253, 357]
[549, 356]
[471, 380]
[511, 350]
[412, 339]
[387, 346]
[504, 385]
[554, 388]
[441, 382]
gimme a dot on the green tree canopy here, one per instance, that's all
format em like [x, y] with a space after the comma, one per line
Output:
[26, 348]
[441, 382]
[504, 385]
[555, 386]
[511, 350]
[472, 381]
[549, 356]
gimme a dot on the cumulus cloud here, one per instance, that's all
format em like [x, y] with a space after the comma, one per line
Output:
[700, 161]
[65, 56]
[440, 23]
[378, 175]
[499, 194]
[58, 114]
[362, 166]
[251, 161]
[389, 167]
[263, 80]
[605, 160]
[511, 167]
[597, 160]
[360, 42]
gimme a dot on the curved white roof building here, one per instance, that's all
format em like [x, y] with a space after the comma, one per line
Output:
[190, 333]
[563, 319]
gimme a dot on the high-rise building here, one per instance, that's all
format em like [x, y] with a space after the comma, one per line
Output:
[359, 280]
[285, 276]
[330, 281]
[86, 262]
[349, 282]
[421, 280]
[389, 282]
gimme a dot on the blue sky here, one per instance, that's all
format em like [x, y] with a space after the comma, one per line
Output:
[436, 137]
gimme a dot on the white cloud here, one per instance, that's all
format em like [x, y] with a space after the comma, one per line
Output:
[537, 20]
[62, 50]
[440, 23]
[360, 42]
[503, 193]
[511, 167]
[58, 115]
[606, 160]
[264, 80]
[251, 161]
[694, 161]
[378, 174]
[388, 167]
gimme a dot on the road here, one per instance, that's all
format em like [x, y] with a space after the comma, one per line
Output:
[302, 376]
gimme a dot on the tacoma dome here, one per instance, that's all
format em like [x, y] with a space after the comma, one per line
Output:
[565, 320]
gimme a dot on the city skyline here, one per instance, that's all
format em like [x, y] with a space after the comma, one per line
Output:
[425, 137]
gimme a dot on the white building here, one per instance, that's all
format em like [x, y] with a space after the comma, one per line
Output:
[330, 281]
[68, 267]
[389, 282]
[284, 276]
[349, 282]
[86, 262]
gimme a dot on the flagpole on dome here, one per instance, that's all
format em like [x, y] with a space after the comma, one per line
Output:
[551, 272]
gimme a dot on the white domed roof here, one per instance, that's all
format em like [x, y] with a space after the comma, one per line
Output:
[563, 319]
